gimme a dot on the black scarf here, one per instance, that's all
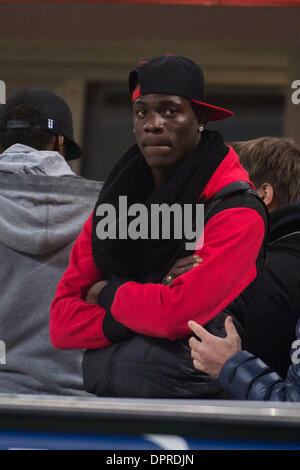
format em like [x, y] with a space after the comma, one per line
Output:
[149, 260]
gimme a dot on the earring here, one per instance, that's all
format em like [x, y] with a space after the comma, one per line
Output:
[201, 129]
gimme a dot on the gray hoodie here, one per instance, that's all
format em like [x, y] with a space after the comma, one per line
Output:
[43, 206]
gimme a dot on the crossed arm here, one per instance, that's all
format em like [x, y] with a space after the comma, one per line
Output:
[232, 241]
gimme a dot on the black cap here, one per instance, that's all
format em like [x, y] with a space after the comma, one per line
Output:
[173, 75]
[56, 116]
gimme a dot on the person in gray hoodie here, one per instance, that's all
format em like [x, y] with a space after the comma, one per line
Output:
[43, 206]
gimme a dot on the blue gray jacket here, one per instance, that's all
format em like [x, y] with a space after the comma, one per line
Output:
[248, 378]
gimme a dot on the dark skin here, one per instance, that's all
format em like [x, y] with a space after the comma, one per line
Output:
[56, 143]
[182, 265]
[167, 130]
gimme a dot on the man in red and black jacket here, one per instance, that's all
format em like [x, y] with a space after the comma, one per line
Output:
[112, 291]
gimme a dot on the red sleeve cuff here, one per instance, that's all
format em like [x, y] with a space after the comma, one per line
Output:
[113, 330]
[107, 294]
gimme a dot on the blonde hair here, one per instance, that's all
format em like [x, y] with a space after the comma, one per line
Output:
[273, 160]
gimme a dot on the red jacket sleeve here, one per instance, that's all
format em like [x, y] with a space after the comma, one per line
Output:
[75, 323]
[232, 241]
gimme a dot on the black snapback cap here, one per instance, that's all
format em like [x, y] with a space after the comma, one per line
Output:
[56, 116]
[173, 75]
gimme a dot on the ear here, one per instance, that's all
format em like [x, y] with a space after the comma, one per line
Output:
[200, 114]
[202, 118]
[266, 192]
[60, 142]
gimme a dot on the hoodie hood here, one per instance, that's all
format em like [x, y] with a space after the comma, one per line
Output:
[20, 159]
[43, 204]
[285, 221]
[285, 230]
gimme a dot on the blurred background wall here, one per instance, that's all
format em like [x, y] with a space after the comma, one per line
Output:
[84, 52]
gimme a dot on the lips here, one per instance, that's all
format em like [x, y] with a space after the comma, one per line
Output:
[156, 143]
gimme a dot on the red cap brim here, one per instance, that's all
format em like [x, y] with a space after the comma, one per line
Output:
[215, 113]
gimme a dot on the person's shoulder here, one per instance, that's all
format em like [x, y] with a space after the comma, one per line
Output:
[229, 171]
[85, 186]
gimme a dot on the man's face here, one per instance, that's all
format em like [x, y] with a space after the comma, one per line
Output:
[166, 129]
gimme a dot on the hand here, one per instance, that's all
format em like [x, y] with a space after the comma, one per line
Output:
[94, 291]
[212, 352]
[182, 266]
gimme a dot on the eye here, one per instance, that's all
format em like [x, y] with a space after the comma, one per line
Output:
[141, 112]
[170, 112]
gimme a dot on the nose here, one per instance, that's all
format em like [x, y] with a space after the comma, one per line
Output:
[154, 123]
